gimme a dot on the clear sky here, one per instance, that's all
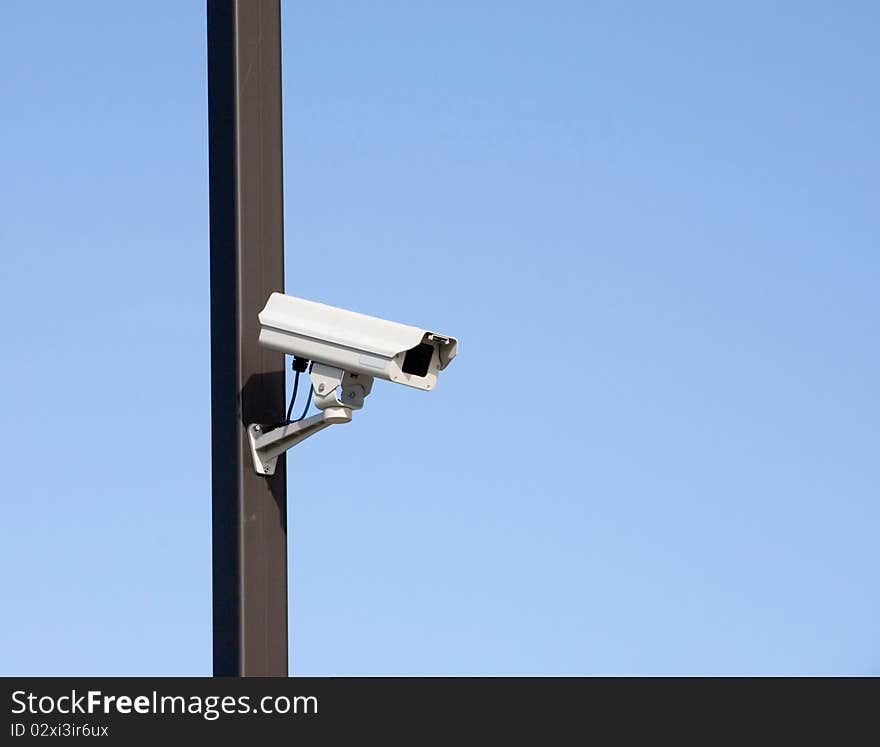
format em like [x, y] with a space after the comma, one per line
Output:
[654, 228]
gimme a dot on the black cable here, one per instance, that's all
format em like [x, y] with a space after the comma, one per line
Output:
[292, 396]
[309, 398]
[306, 409]
[299, 365]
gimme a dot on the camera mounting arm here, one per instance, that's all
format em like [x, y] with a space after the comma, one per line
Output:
[268, 443]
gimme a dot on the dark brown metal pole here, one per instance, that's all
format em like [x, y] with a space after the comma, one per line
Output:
[247, 381]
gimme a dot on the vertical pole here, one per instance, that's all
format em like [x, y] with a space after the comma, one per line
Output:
[247, 381]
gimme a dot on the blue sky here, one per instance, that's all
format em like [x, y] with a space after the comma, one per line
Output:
[655, 232]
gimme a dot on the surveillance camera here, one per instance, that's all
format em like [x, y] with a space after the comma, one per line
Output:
[347, 351]
[355, 342]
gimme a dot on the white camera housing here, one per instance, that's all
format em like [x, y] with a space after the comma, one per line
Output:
[347, 351]
[354, 342]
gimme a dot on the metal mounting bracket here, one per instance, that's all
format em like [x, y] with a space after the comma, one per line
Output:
[269, 442]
